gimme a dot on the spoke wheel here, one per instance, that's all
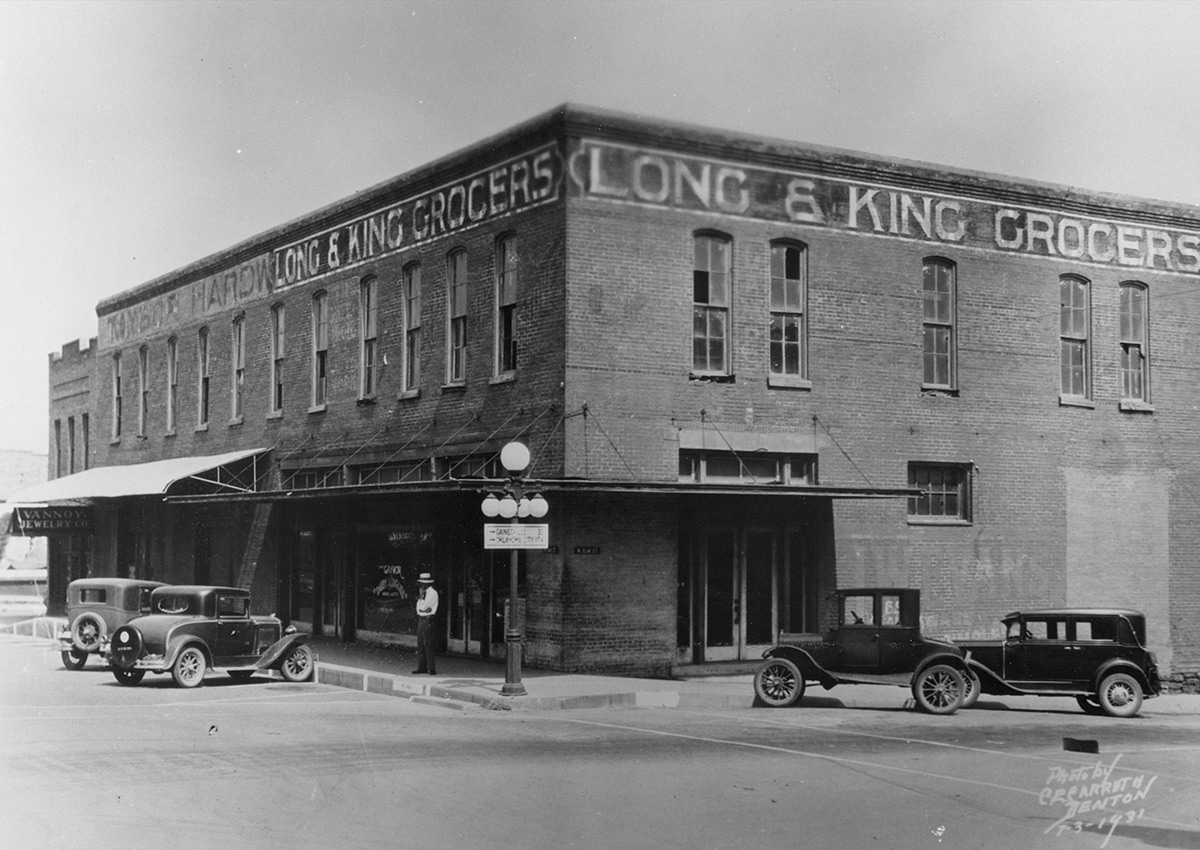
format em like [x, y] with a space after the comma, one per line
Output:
[1120, 695]
[939, 689]
[128, 677]
[297, 665]
[73, 659]
[188, 669]
[778, 683]
[86, 633]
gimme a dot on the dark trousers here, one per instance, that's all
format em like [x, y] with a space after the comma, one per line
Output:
[425, 642]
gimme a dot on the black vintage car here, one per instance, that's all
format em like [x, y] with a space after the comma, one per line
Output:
[192, 628]
[1097, 655]
[96, 607]
[877, 640]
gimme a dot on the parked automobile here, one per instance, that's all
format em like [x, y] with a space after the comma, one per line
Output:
[877, 640]
[95, 608]
[192, 628]
[1097, 655]
[22, 595]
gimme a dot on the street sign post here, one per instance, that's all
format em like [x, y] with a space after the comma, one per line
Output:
[503, 535]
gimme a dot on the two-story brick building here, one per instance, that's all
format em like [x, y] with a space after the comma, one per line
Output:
[749, 371]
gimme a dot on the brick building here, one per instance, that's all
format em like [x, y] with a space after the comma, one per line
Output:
[749, 371]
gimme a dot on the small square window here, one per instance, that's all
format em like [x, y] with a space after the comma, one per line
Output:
[945, 493]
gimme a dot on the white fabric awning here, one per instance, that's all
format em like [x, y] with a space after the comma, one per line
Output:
[141, 479]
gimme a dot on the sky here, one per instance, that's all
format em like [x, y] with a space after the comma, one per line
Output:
[138, 137]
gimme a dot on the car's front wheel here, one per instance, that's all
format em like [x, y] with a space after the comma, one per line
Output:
[188, 669]
[939, 689]
[778, 683]
[128, 677]
[1120, 695]
[73, 659]
[297, 665]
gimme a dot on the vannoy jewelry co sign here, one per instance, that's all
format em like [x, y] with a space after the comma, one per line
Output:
[44, 521]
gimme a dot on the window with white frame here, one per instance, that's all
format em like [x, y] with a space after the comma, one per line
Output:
[320, 349]
[172, 383]
[945, 493]
[368, 322]
[116, 396]
[938, 328]
[143, 389]
[1075, 331]
[456, 317]
[203, 377]
[788, 356]
[277, 355]
[412, 327]
[1135, 344]
[506, 305]
[710, 304]
[238, 362]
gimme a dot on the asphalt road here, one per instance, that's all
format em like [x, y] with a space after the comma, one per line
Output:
[85, 762]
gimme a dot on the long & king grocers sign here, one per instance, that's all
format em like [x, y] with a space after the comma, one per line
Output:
[628, 174]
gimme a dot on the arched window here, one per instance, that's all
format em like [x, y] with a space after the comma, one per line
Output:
[320, 349]
[237, 385]
[506, 305]
[116, 396]
[277, 354]
[202, 378]
[789, 297]
[1135, 344]
[411, 289]
[456, 317]
[143, 389]
[368, 315]
[1075, 333]
[172, 383]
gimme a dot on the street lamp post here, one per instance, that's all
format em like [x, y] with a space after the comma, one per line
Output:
[513, 505]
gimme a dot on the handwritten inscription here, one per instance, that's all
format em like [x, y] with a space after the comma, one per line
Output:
[627, 174]
[1092, 790]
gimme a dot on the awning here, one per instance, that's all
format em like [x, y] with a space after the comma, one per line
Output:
[234, 472]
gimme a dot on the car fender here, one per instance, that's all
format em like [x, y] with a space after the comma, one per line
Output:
[273, 657]
[807, 665]
[950, 659]
[991, 682]
[176, 642]
[1121, 665]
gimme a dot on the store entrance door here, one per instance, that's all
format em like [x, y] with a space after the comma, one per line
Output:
[740, 568]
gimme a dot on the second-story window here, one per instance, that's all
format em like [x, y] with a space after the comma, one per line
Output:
[143, 389]
[710, 305]
[1135, 343]
[412, 328]
[320, 349]
[788, 295]
[368, 331]
[202, 377]
[238, 376]
[116, 396]
[277, 353]
[506, 305]
[456, 317]
[172, 382]
[938, 295]
[1075, 325]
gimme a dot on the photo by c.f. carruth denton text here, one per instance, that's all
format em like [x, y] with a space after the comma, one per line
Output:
[1093, 799]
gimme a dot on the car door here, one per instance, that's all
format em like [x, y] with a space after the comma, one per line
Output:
[234, 644]
[858, 635]
[1036, 659]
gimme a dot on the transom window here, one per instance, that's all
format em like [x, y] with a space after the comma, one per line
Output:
[938, 295]
[788, 296]
[946, 495]
[1075, 332]
[1135, 343]
[747, 468]
[710, 305]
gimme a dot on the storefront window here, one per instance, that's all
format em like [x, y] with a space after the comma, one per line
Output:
[389, 562]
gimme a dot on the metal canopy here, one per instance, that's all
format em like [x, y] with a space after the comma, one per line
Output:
[155, 478]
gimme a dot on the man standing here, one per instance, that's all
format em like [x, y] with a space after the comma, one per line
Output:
[427, 605]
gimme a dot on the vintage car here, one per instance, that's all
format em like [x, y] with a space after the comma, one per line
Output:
[1097, 655]
[192, 628]
[877, 640]
[95, 608]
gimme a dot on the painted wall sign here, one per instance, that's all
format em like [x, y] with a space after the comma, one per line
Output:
[516, 184]
[620, 173]
[243, 284]
[36, 522]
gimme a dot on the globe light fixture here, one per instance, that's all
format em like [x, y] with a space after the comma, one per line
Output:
[514, 457]
[538, 506]
[508, 507]
[490, 506]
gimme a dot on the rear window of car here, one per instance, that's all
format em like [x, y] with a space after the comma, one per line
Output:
[93, 595]
[1098, 629]
[175, 604]
[232, 606]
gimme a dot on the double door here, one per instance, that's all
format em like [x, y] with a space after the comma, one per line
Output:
[739, 571]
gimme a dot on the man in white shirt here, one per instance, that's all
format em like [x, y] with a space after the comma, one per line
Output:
[427, 605]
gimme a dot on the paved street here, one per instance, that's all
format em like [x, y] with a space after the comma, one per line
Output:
[264, 764]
